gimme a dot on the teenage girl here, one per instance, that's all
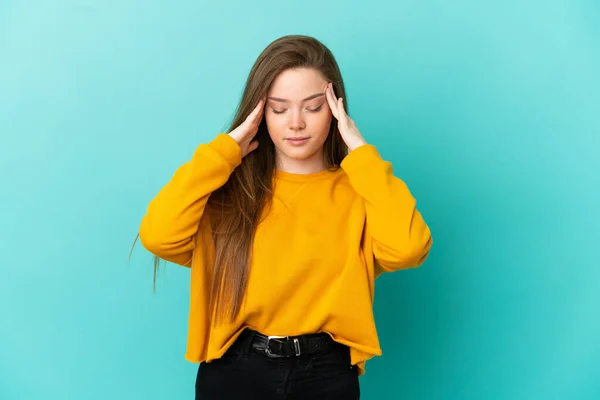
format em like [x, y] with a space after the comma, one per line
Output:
[285, 222]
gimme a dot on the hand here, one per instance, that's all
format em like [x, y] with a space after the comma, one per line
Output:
[245, 132]
[346, 125]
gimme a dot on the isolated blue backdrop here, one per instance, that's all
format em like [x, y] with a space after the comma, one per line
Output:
[489, 110]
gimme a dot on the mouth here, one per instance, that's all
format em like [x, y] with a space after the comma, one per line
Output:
[298, 140]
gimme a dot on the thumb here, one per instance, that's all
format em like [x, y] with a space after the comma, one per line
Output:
[253, 146]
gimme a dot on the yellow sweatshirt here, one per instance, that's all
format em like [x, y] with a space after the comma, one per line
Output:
[327, 236]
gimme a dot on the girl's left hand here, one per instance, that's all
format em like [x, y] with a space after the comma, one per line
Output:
[346, 125]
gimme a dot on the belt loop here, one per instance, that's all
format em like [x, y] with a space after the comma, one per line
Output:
[246, 342]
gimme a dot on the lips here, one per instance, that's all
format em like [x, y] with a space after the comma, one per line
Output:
[297, 141]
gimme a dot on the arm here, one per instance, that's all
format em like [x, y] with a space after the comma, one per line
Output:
[401, 238]
[171, 221]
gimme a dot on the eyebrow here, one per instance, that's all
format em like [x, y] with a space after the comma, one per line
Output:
[306, 99]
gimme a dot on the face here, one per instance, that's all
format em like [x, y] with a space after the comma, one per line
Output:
[298, 117]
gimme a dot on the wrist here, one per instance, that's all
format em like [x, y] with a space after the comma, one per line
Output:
[355, 145]
[232, 135]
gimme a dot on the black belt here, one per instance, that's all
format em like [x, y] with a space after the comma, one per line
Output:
[289, 346]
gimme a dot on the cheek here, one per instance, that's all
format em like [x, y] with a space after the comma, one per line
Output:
[274, 126]
[321, 123]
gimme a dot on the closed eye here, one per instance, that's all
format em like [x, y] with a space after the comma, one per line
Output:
[308, 109]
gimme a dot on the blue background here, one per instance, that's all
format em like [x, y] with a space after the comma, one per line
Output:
[490, 111]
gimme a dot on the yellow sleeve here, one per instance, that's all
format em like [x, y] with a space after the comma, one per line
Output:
[171, 221]
[400, 237]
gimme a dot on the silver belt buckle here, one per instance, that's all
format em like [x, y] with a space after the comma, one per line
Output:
[273, 355]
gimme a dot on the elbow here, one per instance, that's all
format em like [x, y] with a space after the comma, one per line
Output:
[417, 253]
[421, 252]
[150, 240]
[153, 239]
[418, 249]
[163, 245]
[409, 254]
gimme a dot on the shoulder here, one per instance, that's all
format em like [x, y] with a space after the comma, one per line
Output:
[341, 181]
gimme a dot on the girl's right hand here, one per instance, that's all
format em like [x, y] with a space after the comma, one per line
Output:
[246, 131]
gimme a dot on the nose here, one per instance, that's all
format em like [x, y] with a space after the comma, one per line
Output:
[296, 121]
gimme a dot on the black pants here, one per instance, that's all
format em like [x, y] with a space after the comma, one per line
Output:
[245, 373]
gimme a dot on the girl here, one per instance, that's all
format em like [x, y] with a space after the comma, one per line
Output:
[285, 222]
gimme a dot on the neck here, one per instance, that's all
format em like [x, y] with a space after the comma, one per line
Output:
[310, 165]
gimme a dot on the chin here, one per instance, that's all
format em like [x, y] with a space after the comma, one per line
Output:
[299, 154]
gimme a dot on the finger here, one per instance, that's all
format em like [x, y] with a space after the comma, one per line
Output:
[331, 101]
[255, 117]
[261, 112]
[333, 91]
[341, 110]
[344, 113]
[256, 110]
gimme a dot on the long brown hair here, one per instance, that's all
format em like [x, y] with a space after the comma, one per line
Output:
[235, 209]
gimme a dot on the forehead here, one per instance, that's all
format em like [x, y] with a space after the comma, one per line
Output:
[296, 84]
